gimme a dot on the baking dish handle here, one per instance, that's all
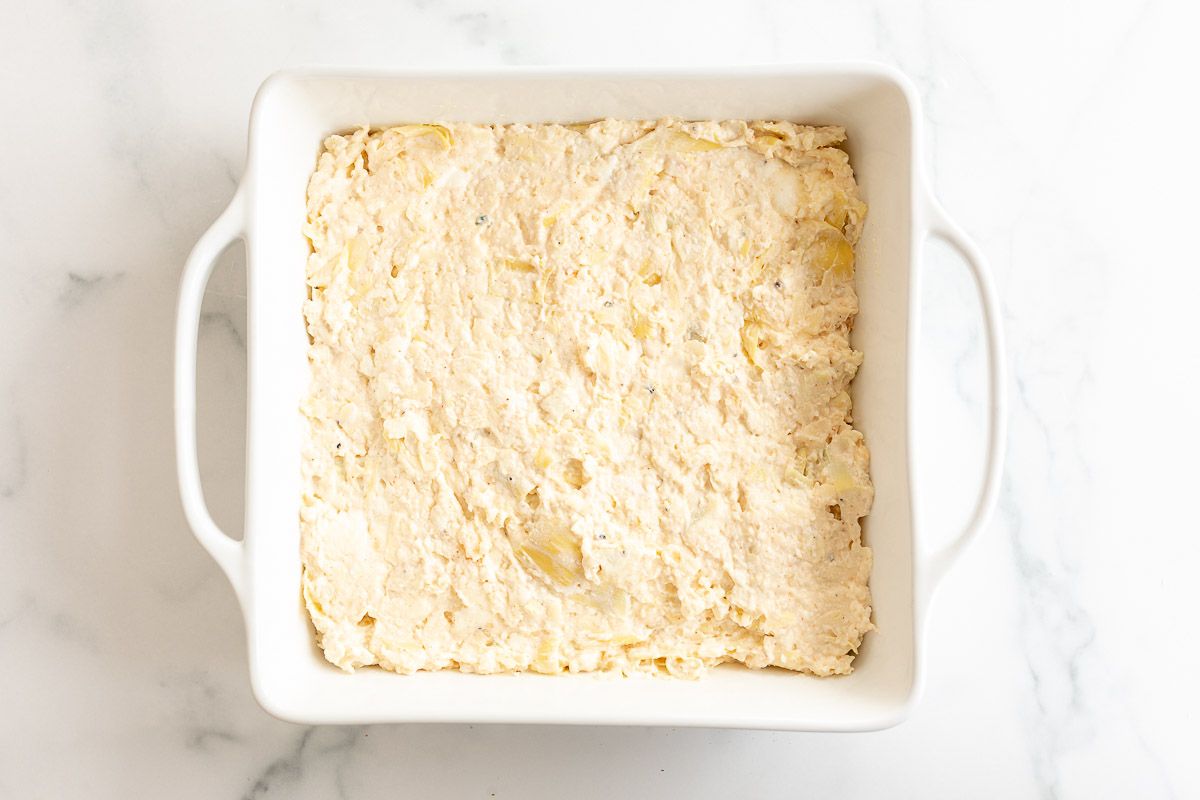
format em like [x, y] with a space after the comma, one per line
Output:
[939, 225]
[228, 228]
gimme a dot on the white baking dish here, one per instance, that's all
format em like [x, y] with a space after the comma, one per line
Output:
[294, 111]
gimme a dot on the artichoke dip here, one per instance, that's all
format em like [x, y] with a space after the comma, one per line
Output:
[579, 399]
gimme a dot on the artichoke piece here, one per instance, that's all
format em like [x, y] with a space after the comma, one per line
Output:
[642, 327]
[518, 265]
[554, 551]
[547, 659]
[414, 131]
[830, 252]
[680, 142]
[754, 341]
[840, 476]
[845, 212]
[574, 474]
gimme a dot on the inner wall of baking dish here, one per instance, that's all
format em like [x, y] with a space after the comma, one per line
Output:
[292, 115]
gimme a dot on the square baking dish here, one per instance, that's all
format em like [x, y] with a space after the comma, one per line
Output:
[292, 114]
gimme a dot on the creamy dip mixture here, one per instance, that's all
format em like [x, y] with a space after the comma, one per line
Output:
[579, 399]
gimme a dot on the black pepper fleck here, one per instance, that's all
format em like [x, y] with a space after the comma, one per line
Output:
[482, 219]
[778, 285]
[339, 445]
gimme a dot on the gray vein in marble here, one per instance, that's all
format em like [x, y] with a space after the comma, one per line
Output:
[1044, 432]
[231, 174]
[286, 768]
[220, 321]
[81, 287]
[1156, 762]
[69, 629]
[123, 52]
[205, 712]
[22, 608]
[922, 74]
[290, 768]
[962, 338]
[198, 738]
[62, 626]
[1058, 633]
[476, 24]
[482, 28]
[485, 31]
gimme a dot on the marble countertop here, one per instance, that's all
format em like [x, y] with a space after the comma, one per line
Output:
[1060, 658]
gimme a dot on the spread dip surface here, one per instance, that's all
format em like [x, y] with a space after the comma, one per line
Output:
[579, 399]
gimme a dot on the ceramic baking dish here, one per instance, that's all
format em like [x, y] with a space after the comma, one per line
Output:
[295, 110]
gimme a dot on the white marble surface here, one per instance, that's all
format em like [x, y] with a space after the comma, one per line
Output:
[1062, 656]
